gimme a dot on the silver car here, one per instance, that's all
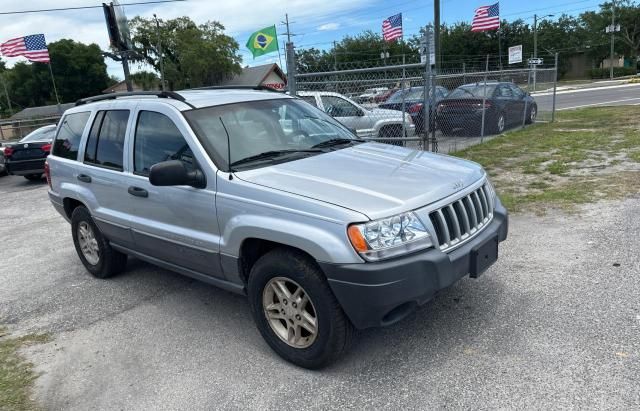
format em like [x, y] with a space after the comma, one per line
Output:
[367, 122]
[263, 195]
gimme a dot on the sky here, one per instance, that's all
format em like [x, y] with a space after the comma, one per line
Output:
[315, 23]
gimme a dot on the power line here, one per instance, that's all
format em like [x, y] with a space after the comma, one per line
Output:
[85, 7]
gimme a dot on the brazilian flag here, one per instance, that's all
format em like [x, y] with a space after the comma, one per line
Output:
[263, 41]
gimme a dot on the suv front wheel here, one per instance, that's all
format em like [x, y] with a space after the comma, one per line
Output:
[295, 310]
[94, 250]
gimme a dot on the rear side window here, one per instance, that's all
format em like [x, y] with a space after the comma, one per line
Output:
[158, 139]
[310, 99]
[105, 145]
[70, 134]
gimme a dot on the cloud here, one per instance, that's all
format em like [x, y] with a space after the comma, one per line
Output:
[329, 27]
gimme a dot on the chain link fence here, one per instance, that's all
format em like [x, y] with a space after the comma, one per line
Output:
[405, 104]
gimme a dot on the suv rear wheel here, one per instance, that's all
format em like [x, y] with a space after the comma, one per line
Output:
[295, 310]
[93, 249]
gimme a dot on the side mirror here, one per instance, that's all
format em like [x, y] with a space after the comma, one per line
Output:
[175, 173]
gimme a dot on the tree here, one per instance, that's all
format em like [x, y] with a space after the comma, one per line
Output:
[79, 71]
[146, 79]
[193, 55]
[359, 51]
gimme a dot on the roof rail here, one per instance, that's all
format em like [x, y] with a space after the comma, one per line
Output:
[113, 96]
[238, 87]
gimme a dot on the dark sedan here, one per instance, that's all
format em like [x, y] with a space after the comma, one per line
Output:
[27, 156]
[505, 105]
[413, 103]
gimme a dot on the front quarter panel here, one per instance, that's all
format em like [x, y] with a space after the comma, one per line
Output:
[247, 210]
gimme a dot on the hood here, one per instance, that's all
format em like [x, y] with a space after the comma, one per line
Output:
[377, 180]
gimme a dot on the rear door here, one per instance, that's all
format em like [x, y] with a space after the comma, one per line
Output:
[519, 102]
[178, 224]
[505, 97]
[101, 173]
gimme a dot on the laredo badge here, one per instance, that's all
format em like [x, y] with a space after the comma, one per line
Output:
[263, 41]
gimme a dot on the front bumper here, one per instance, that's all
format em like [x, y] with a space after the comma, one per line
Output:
[382, 293]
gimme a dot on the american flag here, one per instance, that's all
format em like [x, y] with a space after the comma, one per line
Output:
[486, 18]
[392, 28]
[33, 47]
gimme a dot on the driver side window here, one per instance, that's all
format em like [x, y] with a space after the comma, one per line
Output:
[158, 139]
[338, 107]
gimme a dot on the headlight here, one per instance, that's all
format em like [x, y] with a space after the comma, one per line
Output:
[389, 237]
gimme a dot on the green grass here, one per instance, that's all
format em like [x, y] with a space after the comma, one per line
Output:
[567, 162]
[16, 374]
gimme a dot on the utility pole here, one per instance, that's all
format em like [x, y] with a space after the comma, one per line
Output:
[160, 54]
[290, 55]
[436, 33]
[535, 44]
[612, 29]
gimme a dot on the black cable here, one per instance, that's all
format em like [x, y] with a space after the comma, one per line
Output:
[85, 7]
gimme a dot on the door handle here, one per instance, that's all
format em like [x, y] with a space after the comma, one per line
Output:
[138, 192]
[84, 178]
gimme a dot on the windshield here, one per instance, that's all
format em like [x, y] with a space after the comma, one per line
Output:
[473, 91]
[41, 134]
[260, 133]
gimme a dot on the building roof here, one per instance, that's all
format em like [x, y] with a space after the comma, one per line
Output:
[254, 76]
[52, 110]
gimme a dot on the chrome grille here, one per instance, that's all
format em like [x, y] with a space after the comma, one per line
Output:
[463, 218]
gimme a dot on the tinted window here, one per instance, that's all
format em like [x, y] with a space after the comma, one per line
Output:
[158, 139]
[92, 140]
[338, 107]
[311, 100]
[505, 91]
[517, 92]
[473, 91]
[106, 147]
[69, 135]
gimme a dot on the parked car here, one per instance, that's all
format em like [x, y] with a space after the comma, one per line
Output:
[372, 123]
[382, 97]
[504, 106]
[414, 104]
[27, 156]
[264, 195]
[370, 94]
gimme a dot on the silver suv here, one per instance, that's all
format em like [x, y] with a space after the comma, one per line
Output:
[367, 123]
[261, 194]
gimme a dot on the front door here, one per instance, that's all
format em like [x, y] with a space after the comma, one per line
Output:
[348, 114]
[177, 225]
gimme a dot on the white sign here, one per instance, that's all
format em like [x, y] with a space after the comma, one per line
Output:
[535, 61]
[432, 50]
[515, 54]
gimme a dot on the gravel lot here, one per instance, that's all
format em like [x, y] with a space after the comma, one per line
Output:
[554, 324]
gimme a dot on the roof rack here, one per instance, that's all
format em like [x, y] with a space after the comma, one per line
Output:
[113, 96]
[238, 87]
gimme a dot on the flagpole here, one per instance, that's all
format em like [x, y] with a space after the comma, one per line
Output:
[53, 81]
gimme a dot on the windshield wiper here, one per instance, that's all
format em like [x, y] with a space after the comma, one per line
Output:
[272, 154]
[337, 142]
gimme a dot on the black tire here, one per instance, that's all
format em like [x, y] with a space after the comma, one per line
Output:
[334, 330]
[500, 124]
[394, 131]
[532, 114]
[111, 262]
[34, 177]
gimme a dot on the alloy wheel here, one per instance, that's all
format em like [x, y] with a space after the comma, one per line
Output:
[501, 123]
[290, 312]
[88, 243]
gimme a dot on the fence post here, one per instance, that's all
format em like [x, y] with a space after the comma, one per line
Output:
[484, 99]
[291, 69]
[464, 73]
[434, 142]
[404, 113]
[555, 84]
[427, 78]
[524, 115]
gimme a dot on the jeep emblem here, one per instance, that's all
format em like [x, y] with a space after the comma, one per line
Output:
[458, 185]
[26, 145]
